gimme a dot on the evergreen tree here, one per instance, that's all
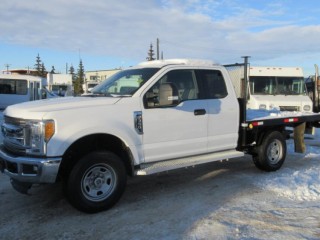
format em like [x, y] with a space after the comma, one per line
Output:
[150, 53]
[72, 72]
[37, 65]
[53, 70]
[43, 71]
[79, 80]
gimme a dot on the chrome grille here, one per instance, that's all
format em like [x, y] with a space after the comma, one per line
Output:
[290, 108]
[15, 133]
[14, 121]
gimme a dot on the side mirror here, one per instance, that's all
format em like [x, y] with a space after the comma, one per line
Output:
[168, 95]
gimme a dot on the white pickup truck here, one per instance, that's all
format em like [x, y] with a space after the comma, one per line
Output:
[154, 117]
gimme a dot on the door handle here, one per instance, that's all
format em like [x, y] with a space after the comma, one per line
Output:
[199, 112]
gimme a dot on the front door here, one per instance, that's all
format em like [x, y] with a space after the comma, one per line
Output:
[177, 130]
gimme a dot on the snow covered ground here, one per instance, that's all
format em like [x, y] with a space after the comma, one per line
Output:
[220, 200]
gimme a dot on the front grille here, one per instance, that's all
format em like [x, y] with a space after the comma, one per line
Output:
[290, 108]
[15, 133]
[14, 148]
[14, 121]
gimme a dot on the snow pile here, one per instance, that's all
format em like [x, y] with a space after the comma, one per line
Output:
[304, 184]
[302, 180]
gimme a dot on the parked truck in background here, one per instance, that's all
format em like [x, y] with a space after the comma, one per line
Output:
[273, 88]
[154, 117]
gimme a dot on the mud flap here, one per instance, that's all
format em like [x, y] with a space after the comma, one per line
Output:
[298, 136]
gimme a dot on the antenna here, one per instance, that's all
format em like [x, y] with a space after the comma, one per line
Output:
[158, 49]
[7, 66]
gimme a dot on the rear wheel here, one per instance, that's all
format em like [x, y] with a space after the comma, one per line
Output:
[271, 153]
[96, 182]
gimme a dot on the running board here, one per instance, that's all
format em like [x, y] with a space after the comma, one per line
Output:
[156, 167]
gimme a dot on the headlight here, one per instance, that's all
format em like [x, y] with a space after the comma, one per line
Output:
[306, 108]
[38, 133]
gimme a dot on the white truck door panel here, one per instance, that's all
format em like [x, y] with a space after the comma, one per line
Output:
[175, 131]
[222, 124]
[223, 110]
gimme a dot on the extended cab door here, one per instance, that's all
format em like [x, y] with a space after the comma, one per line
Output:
[223, 110]
[174, 117]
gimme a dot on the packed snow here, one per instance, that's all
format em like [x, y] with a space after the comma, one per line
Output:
[221, 200]
[300, 182]
[257, 114]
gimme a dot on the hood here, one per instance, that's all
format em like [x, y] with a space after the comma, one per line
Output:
[36, 109]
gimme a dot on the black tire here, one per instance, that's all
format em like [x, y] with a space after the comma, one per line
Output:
[96, 182]
[271, 153]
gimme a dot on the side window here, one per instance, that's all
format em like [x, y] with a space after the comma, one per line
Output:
[213, 83]
[176, 85]
[12, 86]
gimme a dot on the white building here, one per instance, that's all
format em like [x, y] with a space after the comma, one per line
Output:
[100, 75]
[60, 84]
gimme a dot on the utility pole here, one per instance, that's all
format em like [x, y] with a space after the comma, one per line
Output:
[316, 89]
[158, 49]
[7, 67]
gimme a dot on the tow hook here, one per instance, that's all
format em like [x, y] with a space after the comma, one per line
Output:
[21, 187]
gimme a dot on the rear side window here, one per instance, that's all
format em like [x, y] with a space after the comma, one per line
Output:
[13, 86]
[213, 83]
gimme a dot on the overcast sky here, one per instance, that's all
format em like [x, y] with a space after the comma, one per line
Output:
[108, 34]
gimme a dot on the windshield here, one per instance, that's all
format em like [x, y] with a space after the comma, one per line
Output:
[125, 83]
[277, 85]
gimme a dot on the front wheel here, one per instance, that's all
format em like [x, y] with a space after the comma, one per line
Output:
[271, 153]
[96, 182]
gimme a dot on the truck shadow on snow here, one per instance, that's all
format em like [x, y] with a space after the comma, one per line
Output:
[158, 187]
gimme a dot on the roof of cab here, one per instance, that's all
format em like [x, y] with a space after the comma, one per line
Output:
[189, 62]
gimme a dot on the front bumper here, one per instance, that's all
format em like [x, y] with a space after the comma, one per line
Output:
[29, 169]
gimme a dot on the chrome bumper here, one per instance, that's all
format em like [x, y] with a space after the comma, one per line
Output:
[29, 169]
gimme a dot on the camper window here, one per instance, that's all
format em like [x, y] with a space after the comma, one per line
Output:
[13, 86]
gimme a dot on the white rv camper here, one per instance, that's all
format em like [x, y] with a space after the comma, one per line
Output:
[16, 88]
